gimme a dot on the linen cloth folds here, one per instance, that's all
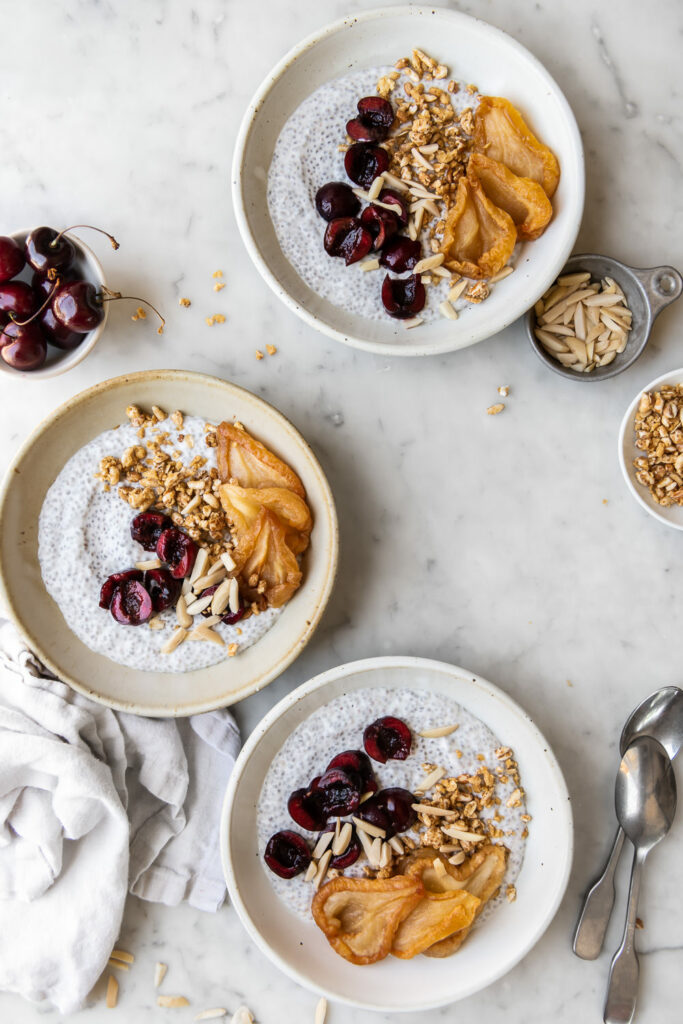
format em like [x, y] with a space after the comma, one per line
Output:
[93, 803]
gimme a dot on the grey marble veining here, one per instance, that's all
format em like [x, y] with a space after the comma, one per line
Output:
[505, 544]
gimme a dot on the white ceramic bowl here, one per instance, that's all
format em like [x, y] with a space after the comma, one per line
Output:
[627, 451]
[60, 360]
[476, 52]
[40, 619]
[299, 948]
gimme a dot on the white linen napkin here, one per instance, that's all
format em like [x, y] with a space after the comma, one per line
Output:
[94, 802]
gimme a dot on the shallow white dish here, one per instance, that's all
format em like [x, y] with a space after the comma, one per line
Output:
[300, 949]
[476, 52]
[39, 618]
[627, 452]
[60, 360]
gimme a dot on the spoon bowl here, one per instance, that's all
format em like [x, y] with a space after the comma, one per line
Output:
[661, 716]
[645, 793]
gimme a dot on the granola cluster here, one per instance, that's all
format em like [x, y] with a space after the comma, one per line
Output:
[659, 435]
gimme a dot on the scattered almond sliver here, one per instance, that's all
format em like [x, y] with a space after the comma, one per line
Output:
[112, 992]
[321, 1011]
[121, 954]
[212, 1014]
[440, 730]
[367, 828]
[430, 780]
[118, 964]
[159, 973]
[172, 1002]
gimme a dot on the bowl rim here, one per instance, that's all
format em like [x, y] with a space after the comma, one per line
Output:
[302, 691]
[264, 678]
[71, 358]
[546, 277]
[627, 424]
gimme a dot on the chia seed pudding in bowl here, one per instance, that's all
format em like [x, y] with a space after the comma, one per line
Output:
[137, 531]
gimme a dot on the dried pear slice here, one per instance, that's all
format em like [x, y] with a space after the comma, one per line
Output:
[243, 504]
[501, 133]
[244, 459]
[522, 198]
[437, 916]
[478, 238]
[270, 559]
[360, 916]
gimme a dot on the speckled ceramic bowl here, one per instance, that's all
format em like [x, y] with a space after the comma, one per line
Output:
[60, 360]
[39, 618]
[476, 52]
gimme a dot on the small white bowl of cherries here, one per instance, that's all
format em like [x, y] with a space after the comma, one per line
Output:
[54, 301]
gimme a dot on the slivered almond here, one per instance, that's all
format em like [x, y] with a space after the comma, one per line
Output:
[192, 504]
[375, 853]
[195, 607]
[212, 1014]
[172, 1002]
[212, 620]
[439, 869]
[413, 322]
[456, 291]
[320, 1011]
[428, 263]
[459, 833]
[221, 598]
[367, 828]
[366, 842]
[176, 638]
[200, 564]
[385, 855]
[311, 871]
[430, 809]
[206, 633]
[372, 264]
[183, 618]
[396, 845]
[376, 187]
[321, 845]
[234, 596]
[438, 731]
[365, 796]
[118, 964]
[228, 561]
[121, 954]
[342, 841]
[447, 310]
[501, 275]
[159, 973]
[430, 780]
[323, 865]
[149, 563]
[442, 272]
[396, 183]
[457, 858]
[208, 581]
[112, 992]
[572, 280]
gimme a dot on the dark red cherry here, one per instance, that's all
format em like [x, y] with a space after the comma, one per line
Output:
[363, 163]
[131, 605]
[358, 766]
[340, 794]
[178, 550]
[287, 854]
[305, 806]
[388, 738]
[401, 254]
[18, 298]
[12, 258]
[403, 297]
[44, 286]
[398, 804]
[347, 237]
[112, 582]
[387, 195]
[57, 334]
[42, 255]
[24, 348]
[381, 224]
[373, 811]
[335, 199]
[147, 527]
[350, 854]
[163, 588]
[374, 121]
[77, 306]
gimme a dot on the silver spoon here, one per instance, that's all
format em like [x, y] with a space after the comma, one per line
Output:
[660, 715]
[645, 801]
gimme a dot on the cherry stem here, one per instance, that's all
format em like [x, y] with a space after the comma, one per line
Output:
[114, 243]
[110, 296]
[22, 323]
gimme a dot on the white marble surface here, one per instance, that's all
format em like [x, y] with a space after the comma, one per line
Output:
[509, 545]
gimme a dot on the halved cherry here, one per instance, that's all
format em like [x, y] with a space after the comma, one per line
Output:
[336, 199]
[350, 854]
[131, 604]
[147, 527]
[390, 809]
[374, 121]
[346, 236]
[401, 254]
[388, 738]
[381, 224]
[364, 162]
[112, 582]
[358, 766]
[306, 808]
[287, 854]
[340, 793]
[403, 297]
[387, 195]
[374, 811]
[178, 550]
[163, 588]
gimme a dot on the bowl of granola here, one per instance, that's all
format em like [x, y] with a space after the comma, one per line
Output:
[169, 542]
[387, 816]
[409, 181]
[650, 448]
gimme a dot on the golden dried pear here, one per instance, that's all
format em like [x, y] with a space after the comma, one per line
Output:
[479, 237]
[436, 917]
[501, 133]
[270, 560]
[522, 198]
[243, 504]
[360, 916]
[244, 459]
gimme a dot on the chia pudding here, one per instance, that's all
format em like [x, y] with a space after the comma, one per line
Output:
[340, 725]
[85, 536]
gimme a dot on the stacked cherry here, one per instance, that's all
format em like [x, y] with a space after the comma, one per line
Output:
[377, 228]
[338, 792]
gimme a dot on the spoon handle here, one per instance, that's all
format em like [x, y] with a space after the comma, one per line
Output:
[622, 989]
[597, 907]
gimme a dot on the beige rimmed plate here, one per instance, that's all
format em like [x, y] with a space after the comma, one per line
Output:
[299, 949]
[38, 616]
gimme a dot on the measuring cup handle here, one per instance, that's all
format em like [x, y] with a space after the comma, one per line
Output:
[662, 285]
